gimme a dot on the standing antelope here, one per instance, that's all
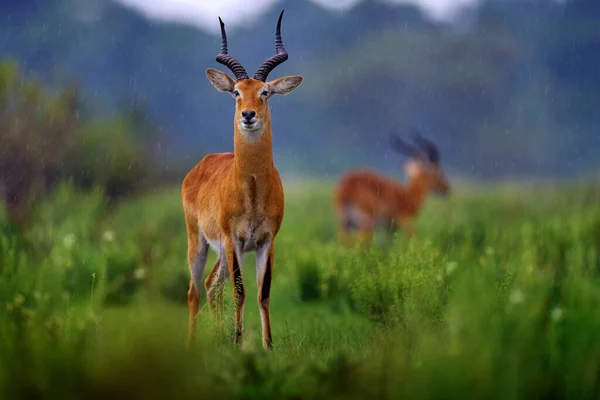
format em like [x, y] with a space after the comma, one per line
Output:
[233, 202]
[365, 199]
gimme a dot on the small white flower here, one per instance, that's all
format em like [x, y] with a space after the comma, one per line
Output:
[69, 240]
[108, 236]
[139, 274]
[516, 296]
[451, 266]
[556, 314]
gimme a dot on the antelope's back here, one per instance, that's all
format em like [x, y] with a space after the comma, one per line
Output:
[366, 190]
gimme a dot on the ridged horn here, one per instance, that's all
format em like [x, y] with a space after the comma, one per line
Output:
[280, 55]
[427, 145]
[223, 58]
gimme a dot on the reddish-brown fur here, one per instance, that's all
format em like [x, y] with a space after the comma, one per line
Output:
[235, 202]
[365, 198]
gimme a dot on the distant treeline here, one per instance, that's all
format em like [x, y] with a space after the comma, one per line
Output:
[511, 89]
[49, 137]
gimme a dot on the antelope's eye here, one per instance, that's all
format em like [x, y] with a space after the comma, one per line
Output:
[236, 93]
[265, 93]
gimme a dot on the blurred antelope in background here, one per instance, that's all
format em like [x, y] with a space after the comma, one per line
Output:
[365, 199]
[233, 202]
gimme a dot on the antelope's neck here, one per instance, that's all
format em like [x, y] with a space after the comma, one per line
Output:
[415, 192]
[253, 158]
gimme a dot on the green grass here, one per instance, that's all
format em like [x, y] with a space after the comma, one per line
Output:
[498, 296]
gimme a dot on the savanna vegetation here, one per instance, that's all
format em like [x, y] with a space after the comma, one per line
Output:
[496, 297]
[50, 135]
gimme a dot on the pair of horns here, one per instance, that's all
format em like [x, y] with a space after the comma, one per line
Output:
[236, 67]
[422, 146]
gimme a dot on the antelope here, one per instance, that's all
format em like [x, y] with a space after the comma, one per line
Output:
[365, 199]
[233, 202]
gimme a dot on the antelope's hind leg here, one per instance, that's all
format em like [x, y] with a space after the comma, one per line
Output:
[347, 226]
[345, 232]
[355, 227]
[197, 255]
[365, 236]
[215, 283]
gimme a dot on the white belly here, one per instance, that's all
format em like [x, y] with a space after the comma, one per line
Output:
[249, 237]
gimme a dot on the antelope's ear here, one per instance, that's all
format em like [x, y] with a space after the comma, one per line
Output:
[220, 80]
[285, 85]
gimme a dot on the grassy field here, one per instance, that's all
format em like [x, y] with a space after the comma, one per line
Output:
[498, 296]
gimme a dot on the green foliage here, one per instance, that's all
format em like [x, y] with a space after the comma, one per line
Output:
[36, 128]
[45, 139]
[107, 156]
[495, 297]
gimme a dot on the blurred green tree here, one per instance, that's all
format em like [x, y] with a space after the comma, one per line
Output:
[46, 139]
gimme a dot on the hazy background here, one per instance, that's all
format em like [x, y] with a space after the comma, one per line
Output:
[506, 88]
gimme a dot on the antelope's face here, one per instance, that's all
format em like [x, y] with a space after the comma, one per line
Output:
[251, 107]
[251, 98]
[424, 162]
[431, 173]
[251, 94]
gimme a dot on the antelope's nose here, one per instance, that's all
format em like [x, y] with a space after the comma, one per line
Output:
[248, 115]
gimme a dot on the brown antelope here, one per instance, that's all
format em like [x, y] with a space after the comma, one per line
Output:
[365, 199]
[233, 202]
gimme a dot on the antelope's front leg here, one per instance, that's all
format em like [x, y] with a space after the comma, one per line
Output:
[234, 264]
[407, 226]
[264, 274]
